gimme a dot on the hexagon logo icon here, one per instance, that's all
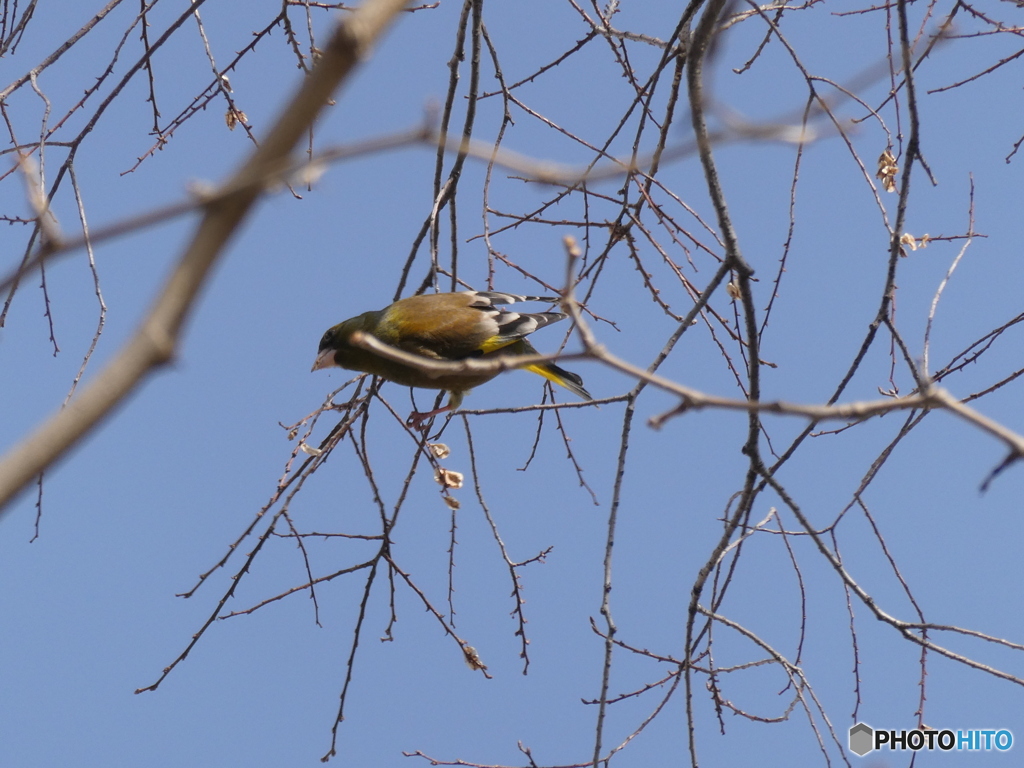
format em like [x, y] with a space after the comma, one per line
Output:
[861, 739]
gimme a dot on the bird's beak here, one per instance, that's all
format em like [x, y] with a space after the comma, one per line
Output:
[324, 360]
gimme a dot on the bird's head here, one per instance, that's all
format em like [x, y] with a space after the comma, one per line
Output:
[336, 347]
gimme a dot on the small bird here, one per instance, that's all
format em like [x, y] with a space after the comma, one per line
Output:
[444, 326]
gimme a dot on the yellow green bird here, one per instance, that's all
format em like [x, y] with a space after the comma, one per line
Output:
[444, 326]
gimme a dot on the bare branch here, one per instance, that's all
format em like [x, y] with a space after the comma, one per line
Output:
[156, 340]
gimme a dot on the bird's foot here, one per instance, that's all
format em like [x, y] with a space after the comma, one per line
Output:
[418, 420]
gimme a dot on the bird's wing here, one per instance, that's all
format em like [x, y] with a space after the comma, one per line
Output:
[454, 326]
[508, 326]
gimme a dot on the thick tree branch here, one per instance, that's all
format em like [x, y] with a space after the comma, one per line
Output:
[157, 337]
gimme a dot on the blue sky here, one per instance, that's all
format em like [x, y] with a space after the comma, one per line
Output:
[156, 495]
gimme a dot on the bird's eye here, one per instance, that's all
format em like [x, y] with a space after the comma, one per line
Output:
[325, 340]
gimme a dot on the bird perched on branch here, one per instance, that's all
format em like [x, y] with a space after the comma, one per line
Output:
[446, 327]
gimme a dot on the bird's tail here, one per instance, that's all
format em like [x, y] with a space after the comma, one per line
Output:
[563, 378]
[571, 381]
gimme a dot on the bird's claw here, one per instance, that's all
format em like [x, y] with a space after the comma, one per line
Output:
[418, 420]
